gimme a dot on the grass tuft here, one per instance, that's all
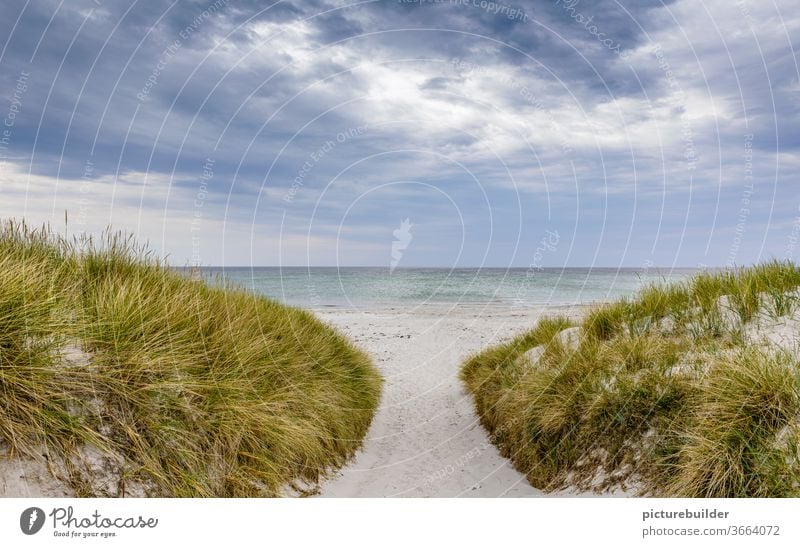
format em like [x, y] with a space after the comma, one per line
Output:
[664, 389]
[730, 448]
[203, 391]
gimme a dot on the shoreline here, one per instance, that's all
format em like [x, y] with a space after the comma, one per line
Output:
[439, 308]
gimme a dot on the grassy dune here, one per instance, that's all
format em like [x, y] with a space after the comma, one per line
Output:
[678, 391]
[183, 389]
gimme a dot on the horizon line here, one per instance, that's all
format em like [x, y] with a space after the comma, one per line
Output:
[540, 268]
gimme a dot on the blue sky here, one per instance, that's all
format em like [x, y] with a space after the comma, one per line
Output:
[304, 133]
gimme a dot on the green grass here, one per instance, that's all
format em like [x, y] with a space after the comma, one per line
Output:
[663, 389]
[205, 391]
[731, 437]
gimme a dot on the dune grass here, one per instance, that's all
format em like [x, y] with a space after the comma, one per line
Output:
[198, 390]
[663, 391]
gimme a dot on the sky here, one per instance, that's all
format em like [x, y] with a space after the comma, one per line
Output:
[448, 133]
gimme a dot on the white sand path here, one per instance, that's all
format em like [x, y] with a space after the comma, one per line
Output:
[425, 440]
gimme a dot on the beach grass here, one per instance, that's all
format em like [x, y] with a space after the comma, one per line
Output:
[670, 392]
[194, 389]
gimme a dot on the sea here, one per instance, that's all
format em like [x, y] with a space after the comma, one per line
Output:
[381, 288]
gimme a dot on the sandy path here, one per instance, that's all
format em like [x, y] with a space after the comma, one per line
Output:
[425, 440]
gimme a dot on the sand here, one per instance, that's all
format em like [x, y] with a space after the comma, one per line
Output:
[25, 477]
[425, 440]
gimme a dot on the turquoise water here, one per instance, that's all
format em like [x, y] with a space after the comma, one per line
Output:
[364, 288]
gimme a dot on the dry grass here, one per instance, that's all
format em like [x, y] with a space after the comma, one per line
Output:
[205, 391]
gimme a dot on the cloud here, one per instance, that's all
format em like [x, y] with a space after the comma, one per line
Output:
[601, 119]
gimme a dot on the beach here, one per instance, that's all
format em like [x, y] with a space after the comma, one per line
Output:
[426, 440]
